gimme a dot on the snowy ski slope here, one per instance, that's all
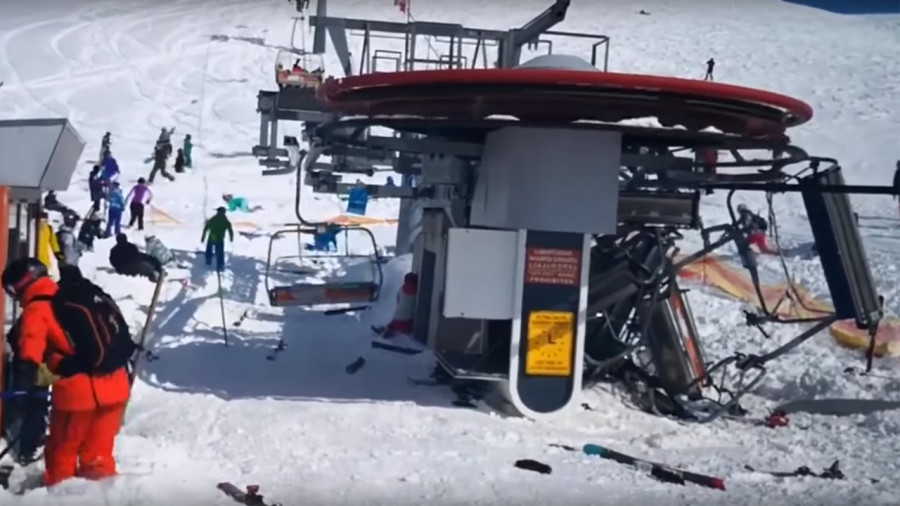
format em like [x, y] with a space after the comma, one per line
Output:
[310, 434]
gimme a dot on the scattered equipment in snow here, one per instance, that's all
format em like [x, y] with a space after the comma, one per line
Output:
[250, 496]
[832, 472]
[838, 407]
[658, 471]
[533, 465]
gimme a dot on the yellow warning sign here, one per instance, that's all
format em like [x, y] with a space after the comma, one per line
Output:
[550, 339]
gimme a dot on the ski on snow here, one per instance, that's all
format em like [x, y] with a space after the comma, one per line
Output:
[659, 471]
[250, 496]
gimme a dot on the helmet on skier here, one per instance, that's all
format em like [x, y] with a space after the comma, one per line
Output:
[70, 219]
[742, 208]
[20, 274]
[142, 180]
[121, 238]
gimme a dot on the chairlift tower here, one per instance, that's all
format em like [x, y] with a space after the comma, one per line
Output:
[516, 176]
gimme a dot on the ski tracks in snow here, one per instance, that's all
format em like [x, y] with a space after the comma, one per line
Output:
[153, 79]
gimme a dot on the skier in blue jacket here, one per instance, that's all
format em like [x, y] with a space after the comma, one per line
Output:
[110, 168]
[116, 205]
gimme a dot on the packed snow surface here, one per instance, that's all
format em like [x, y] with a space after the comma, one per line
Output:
[307, 432]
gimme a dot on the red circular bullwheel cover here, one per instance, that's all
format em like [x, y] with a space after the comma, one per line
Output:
[564, 96]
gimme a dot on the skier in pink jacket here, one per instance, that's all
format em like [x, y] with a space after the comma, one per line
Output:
[137, 195]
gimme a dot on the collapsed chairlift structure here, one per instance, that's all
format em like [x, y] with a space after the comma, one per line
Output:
[544, 221]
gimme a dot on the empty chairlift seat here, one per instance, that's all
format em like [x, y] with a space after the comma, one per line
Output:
[315, 274]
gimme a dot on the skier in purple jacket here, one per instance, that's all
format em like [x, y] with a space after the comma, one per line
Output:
[137, 195]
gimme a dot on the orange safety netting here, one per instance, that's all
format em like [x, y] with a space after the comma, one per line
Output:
[715, 272]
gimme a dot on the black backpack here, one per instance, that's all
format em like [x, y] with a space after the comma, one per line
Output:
[95, 328]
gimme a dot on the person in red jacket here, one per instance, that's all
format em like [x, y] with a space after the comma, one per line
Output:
[87, 408]
[755, 227]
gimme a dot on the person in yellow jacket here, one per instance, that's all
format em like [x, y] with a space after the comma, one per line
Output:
[47, 244]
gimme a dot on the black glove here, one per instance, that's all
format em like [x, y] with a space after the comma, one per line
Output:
[26, 373]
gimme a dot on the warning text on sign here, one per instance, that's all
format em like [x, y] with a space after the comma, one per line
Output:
[550, 339]
[548, 266]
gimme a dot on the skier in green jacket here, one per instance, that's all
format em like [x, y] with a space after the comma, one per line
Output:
[186, 151]
[214, 235]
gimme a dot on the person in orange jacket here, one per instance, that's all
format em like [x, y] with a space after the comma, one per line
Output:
[87, 408]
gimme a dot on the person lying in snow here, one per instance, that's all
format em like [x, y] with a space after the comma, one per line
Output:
[158, 250]
[756, 227]
[236, 203]
[52, 203]
[128, 260]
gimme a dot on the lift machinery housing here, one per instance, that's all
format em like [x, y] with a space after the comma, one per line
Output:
[542, 214]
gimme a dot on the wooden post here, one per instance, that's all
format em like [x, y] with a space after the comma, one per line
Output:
[4, 239]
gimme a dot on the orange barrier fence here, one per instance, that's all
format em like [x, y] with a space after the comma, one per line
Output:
[160, 217]
[715, 272]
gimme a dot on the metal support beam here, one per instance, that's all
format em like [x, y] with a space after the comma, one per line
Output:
[551, 17]
[511, 49]
[341, 47]
[778, 187]
[418, 28]
[318, 35]
[425, 145]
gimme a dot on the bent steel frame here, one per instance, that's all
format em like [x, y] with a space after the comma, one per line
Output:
[663, 171]
[449, 41]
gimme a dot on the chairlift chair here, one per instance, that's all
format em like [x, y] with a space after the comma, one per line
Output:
[298, 67]
[316, 287]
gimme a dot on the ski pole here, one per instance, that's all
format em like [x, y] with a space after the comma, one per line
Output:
[656, 469]
[10, 444]
[222, 307]
[22, 393]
